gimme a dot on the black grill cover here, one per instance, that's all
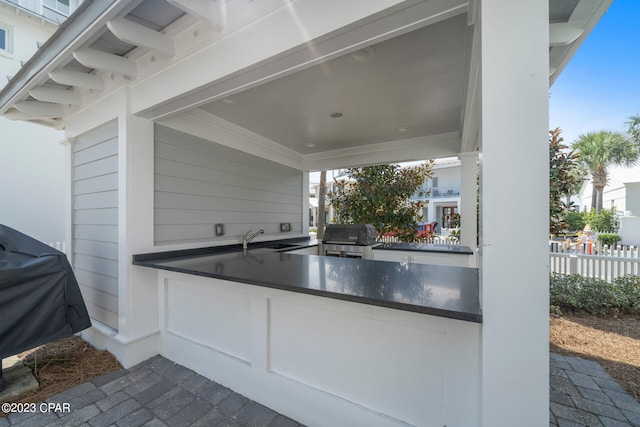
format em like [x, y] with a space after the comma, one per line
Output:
[40, 300]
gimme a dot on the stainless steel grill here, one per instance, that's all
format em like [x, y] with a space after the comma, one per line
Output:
[349, 241]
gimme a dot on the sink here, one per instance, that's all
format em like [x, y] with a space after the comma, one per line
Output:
[273, 247]
[261, 250]
[281, 245]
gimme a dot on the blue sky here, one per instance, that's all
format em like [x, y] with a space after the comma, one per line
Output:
[600, 87]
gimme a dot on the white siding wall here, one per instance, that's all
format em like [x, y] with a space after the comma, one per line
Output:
[95, 221]
[199, 183]
[448, 178]
[632, 194]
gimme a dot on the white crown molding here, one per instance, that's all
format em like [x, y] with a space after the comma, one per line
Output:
[421, 148]
[210, 127]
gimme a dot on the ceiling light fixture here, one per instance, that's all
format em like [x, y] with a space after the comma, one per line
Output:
[311, 144]
[404, 129]
[364, 55]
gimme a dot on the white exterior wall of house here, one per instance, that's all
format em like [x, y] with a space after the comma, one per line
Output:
[614, 194]
[622, 193]
[489, 374]
[632, 197]
[447, 174]
[31, 157]
[630, 223]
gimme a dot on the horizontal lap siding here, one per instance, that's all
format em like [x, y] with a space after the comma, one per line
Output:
[199, 183]
[95, 221]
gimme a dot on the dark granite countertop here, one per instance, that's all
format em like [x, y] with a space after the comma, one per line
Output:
[444, 291]
[426, 247]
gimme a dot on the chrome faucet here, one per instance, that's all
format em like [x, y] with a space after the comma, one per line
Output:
[246, 238]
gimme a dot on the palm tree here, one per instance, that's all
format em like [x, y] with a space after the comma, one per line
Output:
[634, 127]
[599, 150]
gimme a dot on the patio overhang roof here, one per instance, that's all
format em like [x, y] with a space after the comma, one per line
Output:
[106, 44]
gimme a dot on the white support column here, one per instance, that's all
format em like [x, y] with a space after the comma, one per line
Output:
[468, 199]
[138, 289]
[305, 202]
[68, 196]
[514, 197]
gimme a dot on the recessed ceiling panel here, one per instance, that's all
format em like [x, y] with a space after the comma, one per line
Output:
[405, 87]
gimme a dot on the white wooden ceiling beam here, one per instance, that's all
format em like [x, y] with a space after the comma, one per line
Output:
[56, 95]
[139, 35]
[92, 58]
[37, 108]
[211, 11]
[77, 79]
[564, 33]
[14, 114]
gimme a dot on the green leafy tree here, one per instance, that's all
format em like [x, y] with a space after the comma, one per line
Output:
[599, 150]
[563, 179]
[381, 195]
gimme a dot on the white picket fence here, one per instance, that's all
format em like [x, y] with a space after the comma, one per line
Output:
[594, 260]
[434, 239]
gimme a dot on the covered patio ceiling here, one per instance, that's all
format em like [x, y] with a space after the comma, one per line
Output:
[414, 86]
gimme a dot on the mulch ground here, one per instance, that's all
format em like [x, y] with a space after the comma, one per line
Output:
[613, 342]
[63, 364]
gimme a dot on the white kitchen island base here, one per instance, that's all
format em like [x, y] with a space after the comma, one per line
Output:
[321, 361]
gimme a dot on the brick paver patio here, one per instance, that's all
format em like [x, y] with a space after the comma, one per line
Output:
[583, 394]
[158, 392]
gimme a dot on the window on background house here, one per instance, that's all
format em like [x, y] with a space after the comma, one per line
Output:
[60, 6]
[5, 39]
[56, 10]
[449, 217]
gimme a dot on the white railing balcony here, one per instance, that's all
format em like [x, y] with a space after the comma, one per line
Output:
[53, 10]
[445, 192]
[439, 193]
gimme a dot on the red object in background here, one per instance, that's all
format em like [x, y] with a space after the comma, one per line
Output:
[427, 229]
[424, 230]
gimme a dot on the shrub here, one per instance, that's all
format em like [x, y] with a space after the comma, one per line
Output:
[603, 222]
[609, 239]
[574, 220]
[595, 296]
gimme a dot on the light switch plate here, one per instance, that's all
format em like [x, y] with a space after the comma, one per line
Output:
[219, 229]
[285, 226]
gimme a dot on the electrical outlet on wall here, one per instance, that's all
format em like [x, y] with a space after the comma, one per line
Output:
[219, 229]
[285, 226]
